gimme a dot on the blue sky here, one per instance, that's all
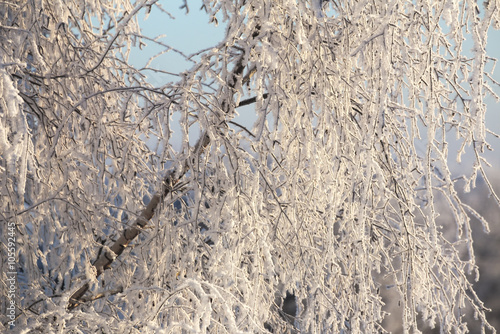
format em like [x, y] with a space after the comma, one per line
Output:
[188, 33]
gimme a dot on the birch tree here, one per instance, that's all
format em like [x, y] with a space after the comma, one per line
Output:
[143, 208]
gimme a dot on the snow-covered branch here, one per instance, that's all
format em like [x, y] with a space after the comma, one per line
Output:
[319, 190]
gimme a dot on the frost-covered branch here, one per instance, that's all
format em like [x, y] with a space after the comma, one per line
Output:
[168, 184]
[327, 198]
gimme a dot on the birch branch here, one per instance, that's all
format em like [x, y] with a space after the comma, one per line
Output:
[106, 258]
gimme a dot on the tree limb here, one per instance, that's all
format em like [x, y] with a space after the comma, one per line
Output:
[106, 258]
